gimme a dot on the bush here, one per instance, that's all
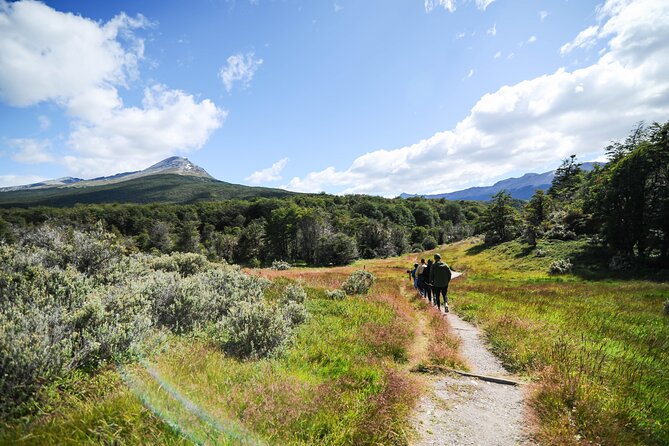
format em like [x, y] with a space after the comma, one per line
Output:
[280, 265]
[335, 294]
[294, 313]
[561, 266]
[358, 283]
[666, 307]
[620, 263]
[540, 253]
[186, 264]
[429, 243]
[254, 330]
[294, 293]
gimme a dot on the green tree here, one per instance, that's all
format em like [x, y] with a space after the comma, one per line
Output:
[535, 214]
[500, 221]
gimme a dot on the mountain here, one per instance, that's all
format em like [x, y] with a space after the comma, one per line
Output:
[521, 188]
[173, 180]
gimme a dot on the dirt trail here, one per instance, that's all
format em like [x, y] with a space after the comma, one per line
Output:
[460, 410]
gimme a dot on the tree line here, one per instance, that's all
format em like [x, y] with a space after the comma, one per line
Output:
[623, 204]
[315, 229]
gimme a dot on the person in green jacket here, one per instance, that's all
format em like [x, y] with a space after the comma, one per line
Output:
[440, 276]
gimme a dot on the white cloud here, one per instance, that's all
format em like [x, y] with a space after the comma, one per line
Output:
[532, 39]
[498, 54]
[459, 36]
[585, 39]
[534, 123]
[483, 4]
[31, 151]
[44, 122]
[239, 67]
[470, 74]
[543, 15]
[270, 174]
[492, 31]
[448, 5]
[337, 7]
[19, 180]
[42, 55]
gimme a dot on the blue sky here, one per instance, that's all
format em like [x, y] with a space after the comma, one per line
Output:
[351, 96]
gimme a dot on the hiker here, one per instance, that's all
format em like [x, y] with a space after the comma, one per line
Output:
[420, 282]
[413, 275]
[440, 275]
[427, 284]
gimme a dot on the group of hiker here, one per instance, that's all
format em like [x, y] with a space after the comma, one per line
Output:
[431, 280]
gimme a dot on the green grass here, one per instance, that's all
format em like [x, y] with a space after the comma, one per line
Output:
[599, 349]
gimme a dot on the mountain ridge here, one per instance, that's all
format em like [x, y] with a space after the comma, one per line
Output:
[173, 180]
[522, 187]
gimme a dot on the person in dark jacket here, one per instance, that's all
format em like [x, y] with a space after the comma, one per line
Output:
[413, 275]
[427, 284]
[440, 276]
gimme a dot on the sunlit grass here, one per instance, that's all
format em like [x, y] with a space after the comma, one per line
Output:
[598, 349]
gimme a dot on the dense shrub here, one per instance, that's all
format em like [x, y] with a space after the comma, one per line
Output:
[335, 294]
[429, 243]
[666, 307]
[294, 313]
[280, 265]
[358, 283]
[186, 264]
[254, 330]
[64, 307]
[294, 293]
[561, 266]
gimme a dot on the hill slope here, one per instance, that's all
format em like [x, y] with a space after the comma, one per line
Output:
[170, 188]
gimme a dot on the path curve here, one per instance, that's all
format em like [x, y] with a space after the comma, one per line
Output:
[459, 411]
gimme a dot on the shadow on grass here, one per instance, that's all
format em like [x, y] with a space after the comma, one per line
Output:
[477, 249]
[591, 262]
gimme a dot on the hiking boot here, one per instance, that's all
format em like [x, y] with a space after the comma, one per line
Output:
[445, 308]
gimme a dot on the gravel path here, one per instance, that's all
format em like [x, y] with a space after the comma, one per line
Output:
[467, 411]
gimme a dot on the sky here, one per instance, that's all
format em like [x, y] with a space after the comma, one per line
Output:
[348, 96]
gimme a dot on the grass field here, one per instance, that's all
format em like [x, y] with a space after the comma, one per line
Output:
[344, 380]
[597, 345]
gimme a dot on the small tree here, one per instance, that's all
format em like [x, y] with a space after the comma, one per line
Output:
[536, 213]
[500, 221]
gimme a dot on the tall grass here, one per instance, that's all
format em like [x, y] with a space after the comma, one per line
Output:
[598, 349]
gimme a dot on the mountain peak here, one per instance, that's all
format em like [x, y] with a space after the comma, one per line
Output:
[176, 165]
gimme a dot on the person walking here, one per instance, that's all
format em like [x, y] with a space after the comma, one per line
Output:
[414, 279]
[440, 276]
[420, 276]
[427, 284]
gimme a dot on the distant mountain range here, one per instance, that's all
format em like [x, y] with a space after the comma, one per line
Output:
[173, 180]
[521, 188]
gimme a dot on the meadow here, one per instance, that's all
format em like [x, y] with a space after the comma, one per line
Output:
[343, 377]
[595, 343]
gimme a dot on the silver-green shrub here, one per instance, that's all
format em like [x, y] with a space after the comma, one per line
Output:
[254, 330]
[280, 265]
[69, 300]
[561, 266]
[335, 294]
[359, 282]
[294, 293]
